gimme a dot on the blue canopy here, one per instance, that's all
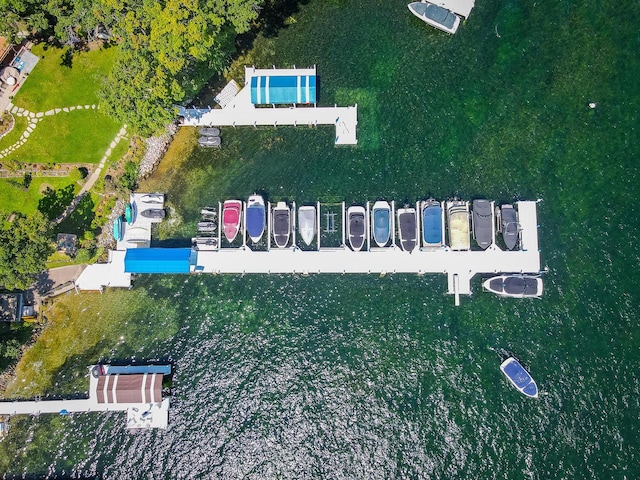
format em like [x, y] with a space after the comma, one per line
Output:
[279, 89]
[432, 224]
[255, 220]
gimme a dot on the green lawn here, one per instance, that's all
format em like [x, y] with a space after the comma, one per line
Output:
[14, 135]
[78, 136]
[54, 85]
[14, 198]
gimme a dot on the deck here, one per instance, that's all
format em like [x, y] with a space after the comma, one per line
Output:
[239, 111]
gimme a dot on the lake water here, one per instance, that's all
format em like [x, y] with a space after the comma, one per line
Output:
[368, 377]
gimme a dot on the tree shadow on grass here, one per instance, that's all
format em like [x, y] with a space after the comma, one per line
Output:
[54, 202]
[80, 220]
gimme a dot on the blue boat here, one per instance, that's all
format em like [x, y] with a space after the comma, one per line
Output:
[432, 223]
[381, 222]
[117, 229]
[130, 212]
[519, 377]
[255, 217]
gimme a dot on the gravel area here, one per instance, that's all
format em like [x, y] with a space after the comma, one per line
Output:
[156, 146]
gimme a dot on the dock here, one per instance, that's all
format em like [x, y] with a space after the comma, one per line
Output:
[136, 390]
[460, 266]
[241, 111]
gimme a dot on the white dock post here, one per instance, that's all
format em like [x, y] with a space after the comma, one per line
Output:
[367, 230]
[268, 226]
[344, 213]
[456, 289]
[393, 222]
[418, 225]
[219, 225]
[318, 223]
[244, 224]
[293, 223]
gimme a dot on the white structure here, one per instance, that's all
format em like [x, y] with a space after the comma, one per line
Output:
[136, 390]
[240, 110]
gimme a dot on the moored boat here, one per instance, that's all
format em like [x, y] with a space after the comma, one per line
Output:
[436, 16]
[118, 232]
[130, 212]
[281, 224]
[209, 213]
[519, 377]
[408, 228]
[207, 226]
[307, 223]
[432, 223]
[515, 286]
[209, 132]
[509, 226]
[458, 219]
[482, 220]
[231, 218]
[152, 198]
[356, 226]
[381, 222]
[154, 213]
[256, 218]
[209, 141]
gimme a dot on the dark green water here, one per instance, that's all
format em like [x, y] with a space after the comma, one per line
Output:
[368, 377]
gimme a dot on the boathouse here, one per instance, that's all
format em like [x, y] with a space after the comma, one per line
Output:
[158, 260]
[278, 89]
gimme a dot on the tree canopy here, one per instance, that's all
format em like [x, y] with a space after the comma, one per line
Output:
[25, 248]
[167, 48]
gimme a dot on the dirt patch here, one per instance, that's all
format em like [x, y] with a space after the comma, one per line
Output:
[6, 123]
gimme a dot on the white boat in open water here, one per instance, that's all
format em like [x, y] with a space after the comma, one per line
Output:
[519, 377]
[307, 223]
[515, 286]
[436, 16]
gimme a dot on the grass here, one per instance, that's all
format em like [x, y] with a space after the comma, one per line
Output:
[14, 135]
[79, 136]
[54, 85]
[14, 198]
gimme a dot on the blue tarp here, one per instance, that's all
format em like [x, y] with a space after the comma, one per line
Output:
[279, 89]
[157, 260]
[432, 224]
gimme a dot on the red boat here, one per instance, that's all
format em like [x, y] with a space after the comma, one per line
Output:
[231, 217]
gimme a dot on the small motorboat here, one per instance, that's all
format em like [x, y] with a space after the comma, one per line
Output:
[207, 226]
[408, 228]
[118, 232]
[155, 213]
[130, 212]
[516, 286]
[482, 220]
[307, 223]
[153, 198]
[381, 222]
[519, 377]
[432, 223]
[356, 227]
[209, 132]
[281, 224]
[209, 213]
[509, 226]
[458, 219]
[209, 141]
[256, 219]
[231, 217]
[205, 243]
[435, 15]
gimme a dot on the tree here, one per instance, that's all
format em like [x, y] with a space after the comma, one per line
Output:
[26, 245]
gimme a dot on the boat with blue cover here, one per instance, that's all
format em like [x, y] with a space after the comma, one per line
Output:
[256, 219]
[381, 221]
[432, 223]
[519, 377]
[118, 232]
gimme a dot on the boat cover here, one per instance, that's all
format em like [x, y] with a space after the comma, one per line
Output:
[281, 226]
[509, 226]
[515, 285]
[482, 223]
[158, 260]
[459, 228]
[209, 131]
[381, 227]
[518, 374]
[408, 230]
[281, 89]
[255, 220]
[356, 230]
[432, 224]
[132, 388]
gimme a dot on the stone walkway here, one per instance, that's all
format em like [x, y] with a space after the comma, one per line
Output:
[34, 118]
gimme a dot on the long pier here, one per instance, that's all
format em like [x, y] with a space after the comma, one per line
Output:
[241, 111]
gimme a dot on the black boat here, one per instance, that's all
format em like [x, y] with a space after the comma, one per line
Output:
[483, 223]
[516, 286]
[356, 227]
[157, 213]
[509, 226]
[281, 224]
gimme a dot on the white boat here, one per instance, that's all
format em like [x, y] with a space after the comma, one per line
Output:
[381, 222]
[515, 286]
[432, 223]
[307, 223]
[356, 227]
[458, 219]
[408, 228]
[256, 218]
[152, 198]
[519, 377]
[436, 16]
[281, 217]
[209, 141]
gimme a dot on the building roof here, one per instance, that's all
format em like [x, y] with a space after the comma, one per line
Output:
[282, 89]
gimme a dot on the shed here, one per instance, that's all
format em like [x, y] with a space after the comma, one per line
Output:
[159, 260]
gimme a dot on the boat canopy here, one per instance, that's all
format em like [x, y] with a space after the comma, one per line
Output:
[283, 89]
[135, 388]
[158, 260]
[515, 285]
[255, 220]
[432, 224]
